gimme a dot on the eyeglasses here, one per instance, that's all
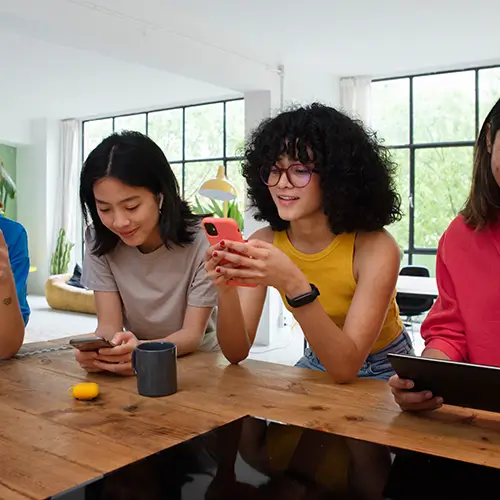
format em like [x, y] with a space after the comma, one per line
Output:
[297, 174]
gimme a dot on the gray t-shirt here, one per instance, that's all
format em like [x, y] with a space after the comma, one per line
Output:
[155, 288]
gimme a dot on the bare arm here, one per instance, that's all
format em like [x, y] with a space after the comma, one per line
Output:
[11, 316]
[343, 351]
[109, 314]
[189, 337]
[11, 320]
[238, 319]
[239, 312]
[435, 354]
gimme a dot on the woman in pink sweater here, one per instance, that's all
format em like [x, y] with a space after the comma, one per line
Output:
[464, 323]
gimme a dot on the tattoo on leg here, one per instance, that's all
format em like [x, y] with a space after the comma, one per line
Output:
[7, 301]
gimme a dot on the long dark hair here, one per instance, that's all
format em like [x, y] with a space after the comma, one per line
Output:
[356, 172]
[483, 203]
[136, 160]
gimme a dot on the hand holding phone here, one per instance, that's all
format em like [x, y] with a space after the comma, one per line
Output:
[219, 229]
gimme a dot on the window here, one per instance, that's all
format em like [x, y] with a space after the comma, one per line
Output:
[196, 140]
[430, 123]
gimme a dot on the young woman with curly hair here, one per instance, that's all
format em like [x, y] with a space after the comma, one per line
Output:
[325, 186]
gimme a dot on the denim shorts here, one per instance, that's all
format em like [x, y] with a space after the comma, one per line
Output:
[376, 365]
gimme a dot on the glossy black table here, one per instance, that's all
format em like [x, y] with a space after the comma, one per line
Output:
[252, 458]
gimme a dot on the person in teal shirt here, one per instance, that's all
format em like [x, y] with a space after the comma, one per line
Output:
[14, 269]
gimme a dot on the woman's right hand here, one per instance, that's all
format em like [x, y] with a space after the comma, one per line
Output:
[212, 261]
[412, 401]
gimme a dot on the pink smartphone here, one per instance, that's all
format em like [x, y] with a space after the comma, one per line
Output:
[90, 343]
[218, 229]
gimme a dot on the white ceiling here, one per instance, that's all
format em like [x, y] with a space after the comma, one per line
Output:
[345, 37]
[66, 58]
[41, 79]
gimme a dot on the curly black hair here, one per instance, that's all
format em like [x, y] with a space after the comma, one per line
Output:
[356, 172]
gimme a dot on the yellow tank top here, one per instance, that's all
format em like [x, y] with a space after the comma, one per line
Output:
[331, 271]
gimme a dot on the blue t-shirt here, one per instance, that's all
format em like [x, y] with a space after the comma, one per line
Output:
[17, 244]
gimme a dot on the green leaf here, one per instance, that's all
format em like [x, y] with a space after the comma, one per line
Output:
[216, 208]
[199, 208]
[6, 182]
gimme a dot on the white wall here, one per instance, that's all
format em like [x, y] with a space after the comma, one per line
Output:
[36, 173]
[303, 87]
[14, 131]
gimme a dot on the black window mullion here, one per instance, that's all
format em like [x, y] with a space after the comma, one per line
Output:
[183, 169]
[411, 225]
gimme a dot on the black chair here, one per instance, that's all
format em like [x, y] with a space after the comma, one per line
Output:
[413, 305]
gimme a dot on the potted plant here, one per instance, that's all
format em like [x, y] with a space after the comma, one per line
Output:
[59, 262]
[8, 188]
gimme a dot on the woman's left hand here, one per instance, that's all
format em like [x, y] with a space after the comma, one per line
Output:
[118, 359]
[257, 262]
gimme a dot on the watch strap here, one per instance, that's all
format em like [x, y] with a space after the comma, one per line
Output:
[305, 298]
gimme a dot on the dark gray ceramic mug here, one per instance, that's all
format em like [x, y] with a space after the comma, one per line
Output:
[155, 364]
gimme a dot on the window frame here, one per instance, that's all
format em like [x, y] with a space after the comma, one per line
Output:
[412, 147]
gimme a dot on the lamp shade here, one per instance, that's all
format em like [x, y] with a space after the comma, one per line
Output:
[219, 188]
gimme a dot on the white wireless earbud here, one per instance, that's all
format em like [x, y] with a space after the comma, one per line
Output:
[160, 201]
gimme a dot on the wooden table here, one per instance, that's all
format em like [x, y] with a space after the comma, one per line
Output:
[417, 285]
[50, 442]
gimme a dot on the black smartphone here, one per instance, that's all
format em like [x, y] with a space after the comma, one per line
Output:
[91, 343]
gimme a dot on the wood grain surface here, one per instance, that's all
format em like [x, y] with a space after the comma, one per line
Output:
[50, 442]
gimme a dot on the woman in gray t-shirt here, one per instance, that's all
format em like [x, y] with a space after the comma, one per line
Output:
[144, 255]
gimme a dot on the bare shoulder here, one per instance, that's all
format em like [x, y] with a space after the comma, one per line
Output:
[264, 234]
[377, 246]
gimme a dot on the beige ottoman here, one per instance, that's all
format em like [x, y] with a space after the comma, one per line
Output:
[64, 297]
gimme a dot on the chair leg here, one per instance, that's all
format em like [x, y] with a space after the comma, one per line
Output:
[409, 324]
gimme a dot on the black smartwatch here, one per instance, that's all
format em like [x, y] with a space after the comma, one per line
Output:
[305, 298]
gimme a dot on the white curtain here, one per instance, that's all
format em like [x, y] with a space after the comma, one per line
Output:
[66, 206]
[355, 98]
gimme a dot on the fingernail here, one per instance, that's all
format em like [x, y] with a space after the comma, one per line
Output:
[439, 401]
[215, 254]
[217, 270]
[428, 394]
[222, 243]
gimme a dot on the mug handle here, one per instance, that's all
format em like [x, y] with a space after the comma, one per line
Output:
[134, 361]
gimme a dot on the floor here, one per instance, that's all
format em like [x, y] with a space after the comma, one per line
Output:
[46, 324]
